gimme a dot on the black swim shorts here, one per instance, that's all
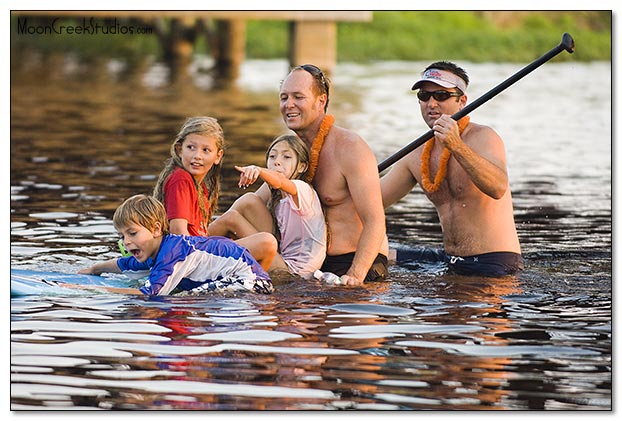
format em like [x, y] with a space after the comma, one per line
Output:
[493, 264]
[340, 264]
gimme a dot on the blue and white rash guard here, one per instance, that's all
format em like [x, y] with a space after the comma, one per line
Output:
[199, 265]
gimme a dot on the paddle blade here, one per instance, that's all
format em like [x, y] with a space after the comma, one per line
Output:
[567, 42]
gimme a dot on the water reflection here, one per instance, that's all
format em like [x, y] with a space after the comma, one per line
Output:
[87, 134]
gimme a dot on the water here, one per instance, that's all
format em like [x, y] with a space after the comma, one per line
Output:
[86, 135]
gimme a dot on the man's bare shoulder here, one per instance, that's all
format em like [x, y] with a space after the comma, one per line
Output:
[350, 151]
[346, 136]
[485, 141]
[480, 131]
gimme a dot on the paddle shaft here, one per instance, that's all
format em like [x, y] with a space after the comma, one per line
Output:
[567, 44]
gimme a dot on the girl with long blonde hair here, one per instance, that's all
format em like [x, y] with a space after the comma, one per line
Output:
[189, 184]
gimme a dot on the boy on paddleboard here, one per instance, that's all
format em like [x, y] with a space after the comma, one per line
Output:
[179, 262]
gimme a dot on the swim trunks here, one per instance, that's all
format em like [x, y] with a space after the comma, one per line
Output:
[340, 264]
[493, 264]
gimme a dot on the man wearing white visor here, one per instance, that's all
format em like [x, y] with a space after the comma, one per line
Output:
[462, 170]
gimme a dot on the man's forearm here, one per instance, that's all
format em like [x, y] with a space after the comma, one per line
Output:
[367, 249]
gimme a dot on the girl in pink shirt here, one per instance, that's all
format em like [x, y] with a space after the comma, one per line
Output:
[284, 205]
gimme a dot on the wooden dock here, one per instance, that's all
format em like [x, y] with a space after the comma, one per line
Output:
[312, 37]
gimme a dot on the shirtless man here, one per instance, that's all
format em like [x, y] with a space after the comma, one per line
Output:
[473, 198]
[346, 179]
[344, 173]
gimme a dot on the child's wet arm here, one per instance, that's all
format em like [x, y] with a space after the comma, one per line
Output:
[278, 181]
[109, 266]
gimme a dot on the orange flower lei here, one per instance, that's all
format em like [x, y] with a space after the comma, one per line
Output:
[316, 146]
[443, 162]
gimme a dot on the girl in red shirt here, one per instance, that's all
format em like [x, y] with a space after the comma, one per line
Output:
[194, 166]
[189, 184]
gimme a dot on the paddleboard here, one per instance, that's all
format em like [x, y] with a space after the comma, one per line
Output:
[30, 282]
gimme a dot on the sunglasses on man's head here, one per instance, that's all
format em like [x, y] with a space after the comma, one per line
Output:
[437, 95]
[316, 72]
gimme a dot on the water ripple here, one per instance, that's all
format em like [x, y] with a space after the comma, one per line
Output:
[501, 351]
[84, 386]
[376, 309]
[246, 336]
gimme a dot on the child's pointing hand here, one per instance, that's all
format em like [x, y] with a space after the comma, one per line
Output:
[248, 176]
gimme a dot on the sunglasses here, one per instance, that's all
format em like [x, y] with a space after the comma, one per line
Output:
[437, 95]
[317, 73]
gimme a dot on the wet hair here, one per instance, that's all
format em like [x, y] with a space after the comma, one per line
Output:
[302, 156]
[450, 67]
[142, 210]
[321, 84]
[204, 126]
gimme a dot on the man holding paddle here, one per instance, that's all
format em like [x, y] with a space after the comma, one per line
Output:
[462, 170]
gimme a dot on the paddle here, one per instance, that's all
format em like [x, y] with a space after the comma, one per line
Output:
[567, 43]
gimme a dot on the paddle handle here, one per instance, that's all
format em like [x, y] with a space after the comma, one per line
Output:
[566, 44]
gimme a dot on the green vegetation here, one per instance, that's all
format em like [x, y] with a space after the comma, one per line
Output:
[473, 36]
[477, 36]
